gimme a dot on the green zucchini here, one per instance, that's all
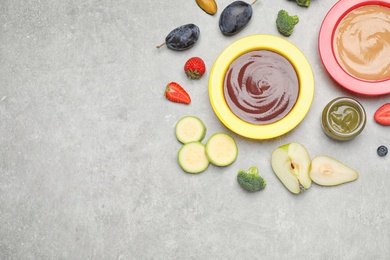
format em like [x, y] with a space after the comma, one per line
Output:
[192, 157]
[190, 129]
[221, 149]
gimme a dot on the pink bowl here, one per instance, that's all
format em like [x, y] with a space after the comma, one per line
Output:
[325, 46]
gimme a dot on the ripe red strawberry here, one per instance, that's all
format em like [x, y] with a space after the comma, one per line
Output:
[175, 93]
[382, 115]
[194, 68]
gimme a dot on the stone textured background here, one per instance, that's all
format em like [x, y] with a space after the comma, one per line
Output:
[88, 166]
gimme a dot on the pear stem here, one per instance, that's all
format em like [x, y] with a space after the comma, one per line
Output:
[253, 2]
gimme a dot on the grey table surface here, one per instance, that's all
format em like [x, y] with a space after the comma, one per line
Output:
[88, 166]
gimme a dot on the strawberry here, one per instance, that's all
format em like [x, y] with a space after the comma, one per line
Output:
[382, 115]
[194, 68]
[175, 93]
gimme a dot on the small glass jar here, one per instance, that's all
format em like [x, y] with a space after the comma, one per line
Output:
[343, 118]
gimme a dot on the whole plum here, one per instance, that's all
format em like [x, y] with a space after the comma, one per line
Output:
[182, 37]
[235, 17]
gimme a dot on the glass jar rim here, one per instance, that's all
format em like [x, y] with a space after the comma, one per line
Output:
[353, 102]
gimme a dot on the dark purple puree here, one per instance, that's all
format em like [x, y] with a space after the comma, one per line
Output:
[261, 87]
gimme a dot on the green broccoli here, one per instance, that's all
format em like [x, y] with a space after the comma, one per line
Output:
[251, 180]
[303, 2]
[286, 23]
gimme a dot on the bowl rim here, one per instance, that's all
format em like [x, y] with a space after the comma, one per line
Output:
[270, 43]
[325, 48]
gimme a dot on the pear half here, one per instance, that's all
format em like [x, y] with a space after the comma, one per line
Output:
[291, 164]
[327, 171]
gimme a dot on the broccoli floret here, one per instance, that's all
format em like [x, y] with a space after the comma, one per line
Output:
[286, 23]
[303, 2]
[251, 180]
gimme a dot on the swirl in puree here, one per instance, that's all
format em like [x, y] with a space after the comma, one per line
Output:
[361, 42]
[261, 87]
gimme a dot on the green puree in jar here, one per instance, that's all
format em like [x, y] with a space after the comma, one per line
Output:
[343, 118]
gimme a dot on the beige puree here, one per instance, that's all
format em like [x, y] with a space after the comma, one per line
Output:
[362, 42]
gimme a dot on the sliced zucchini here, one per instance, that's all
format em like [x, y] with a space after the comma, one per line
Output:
[190, 129]
[221, 149]
[192, 157]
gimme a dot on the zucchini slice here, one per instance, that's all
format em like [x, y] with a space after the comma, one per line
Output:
[190, 129]
[192, 157]
[221, 149]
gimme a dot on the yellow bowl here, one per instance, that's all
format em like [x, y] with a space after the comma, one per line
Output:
[253, 43]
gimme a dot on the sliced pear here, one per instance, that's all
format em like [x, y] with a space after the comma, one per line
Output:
[291, 164]
[327, 171]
